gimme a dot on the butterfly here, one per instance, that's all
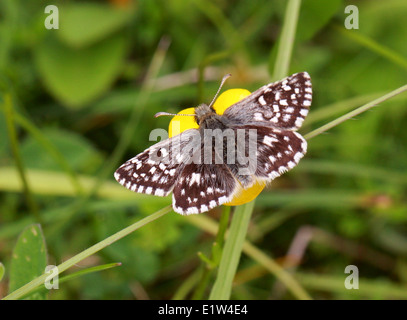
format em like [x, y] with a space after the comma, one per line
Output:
[202, 173]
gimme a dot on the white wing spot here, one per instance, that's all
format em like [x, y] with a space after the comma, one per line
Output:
[159, 192]
[164, 152]
[282, 169]
[299, 122]
[283, 102]
[192, 210]
[262, 101]
[196, 177]
[269, 140]
[274, 174]
[304, 112]
[223, 199]
[298, 156]
[258, 116]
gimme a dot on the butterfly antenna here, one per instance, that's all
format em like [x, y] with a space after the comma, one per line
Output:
[220, 87]
[159, 114]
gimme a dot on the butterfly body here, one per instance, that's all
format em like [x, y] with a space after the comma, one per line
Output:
[207, 118]
[253, 140]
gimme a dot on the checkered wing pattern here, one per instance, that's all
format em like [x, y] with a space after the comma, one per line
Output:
[156, 170]
[202, 187]
[283, 104]
[274, 112]
[278, 151]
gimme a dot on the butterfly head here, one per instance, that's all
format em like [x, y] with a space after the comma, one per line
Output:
[202, 112]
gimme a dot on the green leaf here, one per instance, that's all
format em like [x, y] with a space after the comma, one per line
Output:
[29, 260]
[78, 76]
[83, 24]
[88, 252]
[2, 270]
[314, 15]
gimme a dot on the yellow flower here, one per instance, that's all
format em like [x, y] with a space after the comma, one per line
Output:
[179, 124]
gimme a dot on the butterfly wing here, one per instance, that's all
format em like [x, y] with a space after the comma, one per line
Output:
[202, 187]
[283, 104]
[278, 151]
[156, 170]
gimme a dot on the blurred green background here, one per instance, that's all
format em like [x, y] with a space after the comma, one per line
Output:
[83, 99]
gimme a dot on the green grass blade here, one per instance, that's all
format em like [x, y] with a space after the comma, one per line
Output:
[77, 274]
[32, 285]
[214, 13]
[287, 38]
[331, 110]
[372, 289]
[354, 113]
[231, 253]
[374, 46]
[2, 271]
[8, 107]
[205, 223]
[50, 148]
[57, 184]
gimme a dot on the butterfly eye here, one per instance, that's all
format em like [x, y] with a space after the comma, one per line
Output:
[197, 120]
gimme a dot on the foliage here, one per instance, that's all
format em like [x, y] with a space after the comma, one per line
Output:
[81, 101]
